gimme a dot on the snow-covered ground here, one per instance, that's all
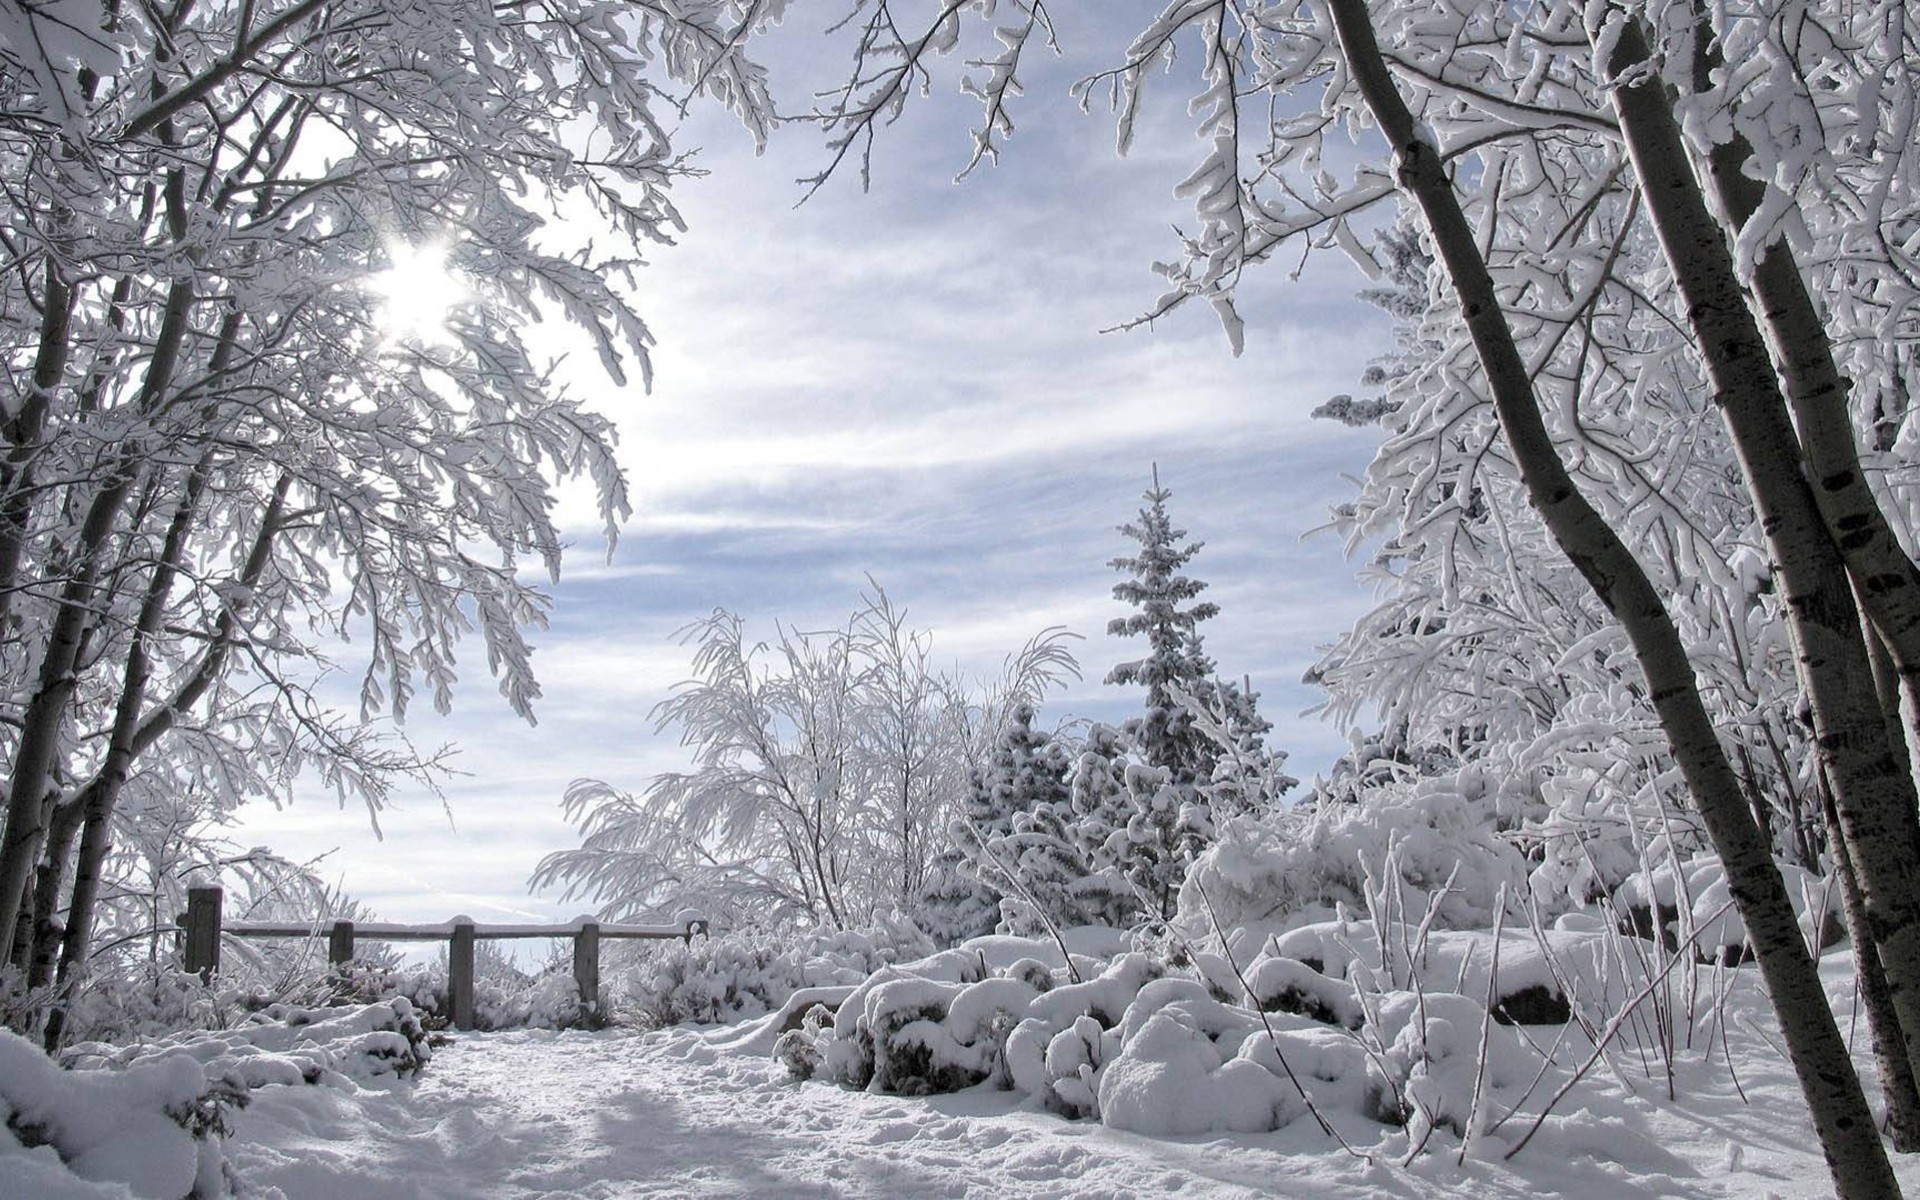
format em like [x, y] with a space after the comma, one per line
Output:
[708, 1114]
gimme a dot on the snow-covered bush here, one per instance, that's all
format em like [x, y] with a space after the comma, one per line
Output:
[152, 1129]
[286, 1044]
[504, 997]
[155, 1000]
[1688, 902]
[147, 1119]
[1164, 1050]
[743, 975]
[1441, 834]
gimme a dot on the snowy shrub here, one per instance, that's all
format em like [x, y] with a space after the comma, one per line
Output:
[152, 1129]
[936, 1025]
[744, 975]
[1693, 906]
[1325, 1017]
[1427, 1063]
[1442, 835]
[154, 1001]
[1193, 1066]
[1596, 833]
[148, 1119]
[504, 997]
[284, 1044]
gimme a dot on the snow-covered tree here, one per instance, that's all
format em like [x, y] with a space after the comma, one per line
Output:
[1024, 770]
[1636, 208]
[792, 811]
[1167, 613]
[1179, 676]
[220, 448]
[1204, 735]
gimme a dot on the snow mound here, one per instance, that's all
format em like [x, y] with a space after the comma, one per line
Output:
[148, 1120]
[151, 1130]
[1162, 1050]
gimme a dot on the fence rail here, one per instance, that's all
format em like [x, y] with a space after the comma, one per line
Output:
[203, 930]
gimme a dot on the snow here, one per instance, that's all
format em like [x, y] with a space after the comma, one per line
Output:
[684, 1113]
[111, 1129]
[1193, 1097]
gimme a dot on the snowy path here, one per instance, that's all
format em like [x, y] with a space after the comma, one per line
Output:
[528, 1114]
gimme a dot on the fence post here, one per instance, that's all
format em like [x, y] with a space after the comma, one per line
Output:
[586, 970]
[340, 943]
[460, 973]
[203, 931]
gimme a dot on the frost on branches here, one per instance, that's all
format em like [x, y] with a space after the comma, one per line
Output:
[827, 765]
[219, 457]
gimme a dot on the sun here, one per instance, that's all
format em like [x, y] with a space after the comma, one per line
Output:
[417, 293]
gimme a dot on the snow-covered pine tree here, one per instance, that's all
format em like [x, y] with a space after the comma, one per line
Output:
[953, 905]
[1205, 737]
[1164, 736]
[1028, 768]
[1169, 826]
[1026, 771]
[1101, 810]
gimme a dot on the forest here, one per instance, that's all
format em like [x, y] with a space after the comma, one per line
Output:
[313, 308]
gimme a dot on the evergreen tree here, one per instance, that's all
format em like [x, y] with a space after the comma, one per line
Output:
[1101, 812]
[997, 834]
[954, 905]
[1201, 740]
[1165, 735]
[1193, 720]
[1168, 828]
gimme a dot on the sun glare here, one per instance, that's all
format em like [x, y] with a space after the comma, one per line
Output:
[417, 293]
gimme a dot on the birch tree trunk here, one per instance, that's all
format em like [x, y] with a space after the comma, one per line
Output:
[1855, 1155]
[1883, 1024]
[1873, 791]
[29, 804]
[1886, 578]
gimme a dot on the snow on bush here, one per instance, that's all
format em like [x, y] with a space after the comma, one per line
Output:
[1157, 1049]
[743, 975]
[150, 1131]
[504, 997]
[1266, 873]
[148, 1119]
[1693, 904]
[283, 1044]
[153, 1002]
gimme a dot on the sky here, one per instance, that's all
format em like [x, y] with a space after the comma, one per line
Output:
[908, 387]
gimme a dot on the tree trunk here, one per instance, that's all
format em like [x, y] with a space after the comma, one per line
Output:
[27, 813]
[1855, 1155]
[50, 879]
[1883, 1024]
[1885, 577]
[28, 806]
[102, 795]
[25, 430]
[1873, 791]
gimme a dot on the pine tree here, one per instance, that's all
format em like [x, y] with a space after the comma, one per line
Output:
[999, 834]
[1193, 720]
[1165, 735]
[1102, 810]
[1201, 741]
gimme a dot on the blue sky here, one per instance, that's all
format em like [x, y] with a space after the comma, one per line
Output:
[908, 384]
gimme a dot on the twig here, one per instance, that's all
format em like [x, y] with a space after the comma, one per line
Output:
[1486, 1023]
[1326, 1127]
[1613, 1027]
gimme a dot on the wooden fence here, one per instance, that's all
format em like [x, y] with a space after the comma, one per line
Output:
[203, 930]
